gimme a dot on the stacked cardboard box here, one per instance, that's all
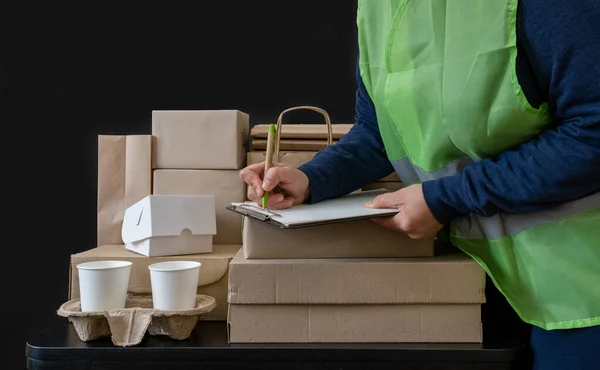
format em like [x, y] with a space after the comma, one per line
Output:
[162, 197]
[299, 143]
[350, 282]
[201, 152]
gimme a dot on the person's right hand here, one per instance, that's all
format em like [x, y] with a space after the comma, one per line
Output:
[287, 185]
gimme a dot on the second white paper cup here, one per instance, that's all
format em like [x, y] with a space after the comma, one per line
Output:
[103, 285]
[174, 285]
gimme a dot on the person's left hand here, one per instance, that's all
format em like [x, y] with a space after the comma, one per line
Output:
[414, 217]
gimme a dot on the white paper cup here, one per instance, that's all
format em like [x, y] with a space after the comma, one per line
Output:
[174, 285]
[103, 285]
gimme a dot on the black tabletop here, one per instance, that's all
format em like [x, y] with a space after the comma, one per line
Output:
[59, 347]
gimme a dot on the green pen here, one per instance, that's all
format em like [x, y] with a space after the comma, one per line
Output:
[269, 158]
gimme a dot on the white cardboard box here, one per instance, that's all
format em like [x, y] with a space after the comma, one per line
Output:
[169, 225]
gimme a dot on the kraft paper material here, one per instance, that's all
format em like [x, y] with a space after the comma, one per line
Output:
[124, 178]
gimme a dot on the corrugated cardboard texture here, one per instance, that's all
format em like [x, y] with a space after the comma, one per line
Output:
[354, 239]
[226, 186]
[213, 279]
[124, 178]
[303, 131]
[128, 326]
[203, 139]
[355, 324]
[454, 278]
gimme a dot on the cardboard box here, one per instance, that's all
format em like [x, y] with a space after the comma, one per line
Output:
[170, 225]
[200, 139]
[298, 158]
[450, 279]
[435, 299]
[303, 131]
[293, 145]
[213, 279]
[355, 323]
[225, 186]
[354, 239]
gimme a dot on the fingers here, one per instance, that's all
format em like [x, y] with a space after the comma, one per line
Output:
[387, 222]
[388, 200]
[276, 175]
[252, 176]
[280, 203]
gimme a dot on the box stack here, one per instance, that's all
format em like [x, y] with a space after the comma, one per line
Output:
[298, 143]
[162, 197]
[350, 281]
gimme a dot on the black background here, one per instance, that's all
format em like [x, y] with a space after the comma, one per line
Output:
[70, 74]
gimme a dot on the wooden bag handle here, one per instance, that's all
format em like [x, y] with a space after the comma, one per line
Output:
[308, 107]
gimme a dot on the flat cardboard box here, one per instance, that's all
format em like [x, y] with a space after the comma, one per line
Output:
[293, 145]
[354, 239]
[170, 225]
[298, 158]
[200, 139]
[226, 187]
[458, 323]
[449, 279]
[213, 279]
[303, 131]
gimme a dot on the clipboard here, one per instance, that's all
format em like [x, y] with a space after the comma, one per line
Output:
[343, 209]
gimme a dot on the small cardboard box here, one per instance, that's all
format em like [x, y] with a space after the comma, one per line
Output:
[200, 139]
[374, 323]
[212, 282]
[354, 239]
[225, 185]
[169, 225]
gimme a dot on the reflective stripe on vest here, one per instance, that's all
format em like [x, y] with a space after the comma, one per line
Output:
[442, 77]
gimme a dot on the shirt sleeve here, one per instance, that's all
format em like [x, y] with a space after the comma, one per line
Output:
[562, 42]
[357, 159]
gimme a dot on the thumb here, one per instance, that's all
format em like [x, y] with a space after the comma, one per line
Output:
[388, 200]
[274, 176]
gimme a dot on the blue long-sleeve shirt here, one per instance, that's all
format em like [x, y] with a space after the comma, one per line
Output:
[559, 62]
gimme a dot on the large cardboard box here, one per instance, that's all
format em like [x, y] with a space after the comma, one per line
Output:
[354, 239]
[450, 279]
[213, 279]
[355, 323]
[225, 185]
[200, 139]
[170, 225]
[434, 299]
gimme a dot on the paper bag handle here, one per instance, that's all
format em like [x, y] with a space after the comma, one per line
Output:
[308, 107]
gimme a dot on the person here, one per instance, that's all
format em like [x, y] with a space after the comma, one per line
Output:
[489, 112]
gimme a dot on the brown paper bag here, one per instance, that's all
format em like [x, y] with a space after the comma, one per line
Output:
[293, 158]
[124, 178]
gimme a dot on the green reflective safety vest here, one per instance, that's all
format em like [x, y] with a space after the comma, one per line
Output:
[442, 77]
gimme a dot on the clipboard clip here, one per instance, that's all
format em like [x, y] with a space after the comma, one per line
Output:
[246, 209]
